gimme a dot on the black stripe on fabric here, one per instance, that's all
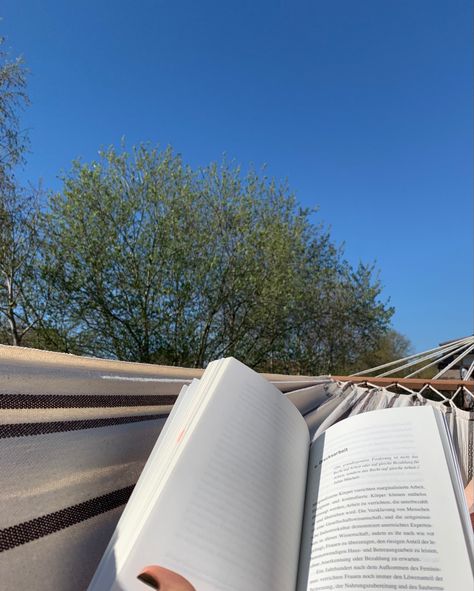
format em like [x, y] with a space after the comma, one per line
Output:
[393, 399]
[25, 532]
[82, 400]
[31, 429]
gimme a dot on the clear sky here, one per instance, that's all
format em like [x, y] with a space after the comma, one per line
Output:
[364, 106]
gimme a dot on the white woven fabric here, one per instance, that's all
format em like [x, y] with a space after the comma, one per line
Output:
[75, 434]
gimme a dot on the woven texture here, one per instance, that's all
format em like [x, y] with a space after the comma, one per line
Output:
[75, 434]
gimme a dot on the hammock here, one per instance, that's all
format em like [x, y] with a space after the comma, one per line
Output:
[75, 433]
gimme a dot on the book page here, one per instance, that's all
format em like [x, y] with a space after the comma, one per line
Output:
[380, 510]
[229, 515]
[136, 509]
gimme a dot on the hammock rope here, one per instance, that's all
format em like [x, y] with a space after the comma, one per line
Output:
[456, 351]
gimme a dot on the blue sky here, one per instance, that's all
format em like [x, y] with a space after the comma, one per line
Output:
[365, 107]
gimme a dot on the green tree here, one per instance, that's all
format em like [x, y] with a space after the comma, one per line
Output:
[149, 260]
[21, 303]
[341, 318]
[19, 239]
[390, 346]
[13, 98]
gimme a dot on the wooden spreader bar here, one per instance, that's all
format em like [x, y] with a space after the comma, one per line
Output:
[412, 383]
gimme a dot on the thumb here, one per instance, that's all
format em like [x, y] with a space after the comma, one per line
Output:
[158, 577]
[469, 492]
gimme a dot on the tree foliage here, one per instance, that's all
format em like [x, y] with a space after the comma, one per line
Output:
[391, 346]
[22, 302]
[13, 98]
[19, 239]
[150, 260]
[140, 257]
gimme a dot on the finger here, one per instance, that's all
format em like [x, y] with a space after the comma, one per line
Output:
[158, 577]
[469, 492]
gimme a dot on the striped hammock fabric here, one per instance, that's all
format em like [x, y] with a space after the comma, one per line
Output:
[74, 436]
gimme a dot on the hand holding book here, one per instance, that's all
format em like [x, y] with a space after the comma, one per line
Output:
[235, 496]
[163, 579]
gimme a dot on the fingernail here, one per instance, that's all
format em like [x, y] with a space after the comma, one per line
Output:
[149, 580]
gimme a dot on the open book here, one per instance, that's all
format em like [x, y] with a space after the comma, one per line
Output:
[236, 497]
